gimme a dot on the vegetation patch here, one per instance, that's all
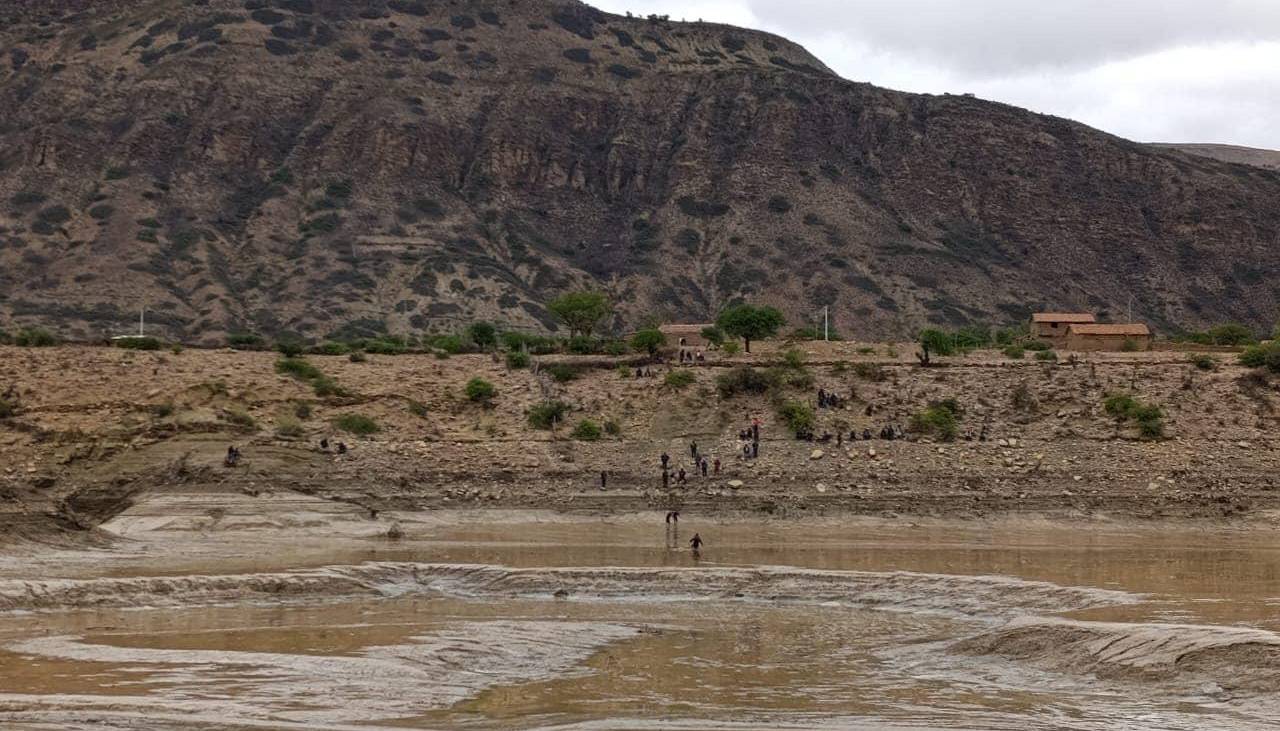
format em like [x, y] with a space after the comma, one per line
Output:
[138, 343]
[548, 414]
[357, 424]
[1149, 418]
[681, 379]
[480, 391]
[587, 431]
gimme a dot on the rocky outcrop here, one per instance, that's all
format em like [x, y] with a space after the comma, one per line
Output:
[328, 168]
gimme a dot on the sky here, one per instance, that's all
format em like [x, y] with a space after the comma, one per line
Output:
[1148, 70]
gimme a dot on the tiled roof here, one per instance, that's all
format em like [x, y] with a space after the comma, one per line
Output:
[1129, 329]
[1063, 317]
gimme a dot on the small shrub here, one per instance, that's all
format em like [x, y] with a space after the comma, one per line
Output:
[1204, 362]
[937, 342]
[866, 351]
[1015, 352]
[480, 391]
[869, 372]
[731, 348]
[299, 369]
[612, 428]
[1129, 346]
[8, 408]
[798, 416]
[713, 335]
[1023, 398]
[289, 427]
[483, 334]
[162, 411]
[138, 343]
[418, 409]
[289, 348]
[587, 431]
[547, 414]
[562, 372]
[1047, 356]
[1120, 406]
[358, 356]
[1150, 420]
[357, 424]
[325, 387]
[302, 410]
[745, 380]
[680, 379]
[792, 377]
[839, 369]
[615, 348]
[517, 359]
[1263, 356]
[102, 212]
[583, 345]
[939, 421]
[331, 348]
[246, 341]
[240, 418]
[176, 348]
[35, 337]
[1036, 346]
[1231, 334]
[793, 358]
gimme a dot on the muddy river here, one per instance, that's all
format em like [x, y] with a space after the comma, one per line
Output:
[533, 621]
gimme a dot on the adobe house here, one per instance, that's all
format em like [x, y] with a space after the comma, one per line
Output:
[1051, 327]
[1096, 337]
[687, 336]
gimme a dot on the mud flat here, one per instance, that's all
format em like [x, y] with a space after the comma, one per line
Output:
[199, 612]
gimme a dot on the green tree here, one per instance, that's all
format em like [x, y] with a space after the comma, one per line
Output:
[750, 323]
[648, 340]
[480, 391]
[483, 334]
[582, 312]
[1231, 334]
[715, 335]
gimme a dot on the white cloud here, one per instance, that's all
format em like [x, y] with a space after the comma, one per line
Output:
[1169, 70]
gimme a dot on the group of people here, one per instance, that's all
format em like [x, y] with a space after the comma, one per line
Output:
[750, 438]
[701, 463]
[829, 400]
[645, 372]
[324, 446]
[688, 356]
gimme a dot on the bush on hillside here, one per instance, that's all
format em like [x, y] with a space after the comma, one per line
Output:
[680, 379]
[517, 359]
[745, 380]
[34, 337]
[587, 431]
[547, 414]
[138, 343]
[357, 424]
[480, 391]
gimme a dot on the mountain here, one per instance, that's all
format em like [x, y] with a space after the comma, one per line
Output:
[337, 167]
[1230, 153]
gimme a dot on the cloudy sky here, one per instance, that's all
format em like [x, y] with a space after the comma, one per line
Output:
[1149, 70]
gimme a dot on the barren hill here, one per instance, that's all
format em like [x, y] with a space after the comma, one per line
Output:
[323, 166]
[1230, 153]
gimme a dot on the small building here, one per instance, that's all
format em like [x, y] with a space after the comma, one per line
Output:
[1051, 327]
[1094, 337]
[686, 336]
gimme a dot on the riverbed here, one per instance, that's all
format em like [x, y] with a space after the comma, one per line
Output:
[300, 615]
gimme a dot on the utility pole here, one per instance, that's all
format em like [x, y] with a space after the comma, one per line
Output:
[1130, 309]
[142, 321]
[826, 323]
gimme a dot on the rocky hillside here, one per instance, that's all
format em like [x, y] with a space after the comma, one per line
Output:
[346, 166]
[1231, 153]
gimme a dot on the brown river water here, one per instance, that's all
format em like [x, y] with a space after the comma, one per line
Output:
[534, 621]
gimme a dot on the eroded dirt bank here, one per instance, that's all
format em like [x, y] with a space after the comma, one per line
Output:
[95, 428]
